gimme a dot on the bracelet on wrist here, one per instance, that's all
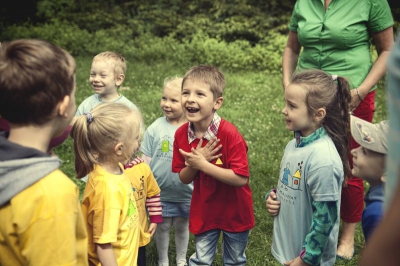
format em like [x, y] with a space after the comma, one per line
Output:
[358, 94]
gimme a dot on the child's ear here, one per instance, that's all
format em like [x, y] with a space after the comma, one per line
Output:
[119, 148]
[62, 106]
[119, 79]
[320, 114]
[218, 103]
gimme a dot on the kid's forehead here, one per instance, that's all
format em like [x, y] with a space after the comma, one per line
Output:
[196, 83]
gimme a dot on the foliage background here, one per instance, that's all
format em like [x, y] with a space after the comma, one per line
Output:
[161, 38]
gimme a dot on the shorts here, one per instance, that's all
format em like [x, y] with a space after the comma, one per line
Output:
[175, 209]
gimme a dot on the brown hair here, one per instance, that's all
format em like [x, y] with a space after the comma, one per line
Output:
[210, 75]
[116, 59]
[96, 133]
[34, 76]
[322, 91]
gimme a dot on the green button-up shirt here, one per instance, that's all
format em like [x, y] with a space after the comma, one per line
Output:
[338, 40]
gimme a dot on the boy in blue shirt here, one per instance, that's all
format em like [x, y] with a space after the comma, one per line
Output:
[369, 164]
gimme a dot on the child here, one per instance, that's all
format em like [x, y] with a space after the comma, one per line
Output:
[369, 164]
[104, 139]
[147, 194]
[175, 196]
[307, 199]
[41, 219]
[106, 75]
[222, 199]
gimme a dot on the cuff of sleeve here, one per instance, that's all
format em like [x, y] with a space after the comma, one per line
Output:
[304, 257]
[156, 219]
[266, 195]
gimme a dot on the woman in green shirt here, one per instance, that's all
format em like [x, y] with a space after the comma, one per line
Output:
[335, 36]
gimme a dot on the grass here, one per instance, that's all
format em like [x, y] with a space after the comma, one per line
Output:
[253, 102]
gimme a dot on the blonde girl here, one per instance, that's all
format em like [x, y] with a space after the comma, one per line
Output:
[305, 205]
[104, 139]
[175, 196]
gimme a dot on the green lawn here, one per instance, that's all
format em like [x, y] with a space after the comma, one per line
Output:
[253, 102]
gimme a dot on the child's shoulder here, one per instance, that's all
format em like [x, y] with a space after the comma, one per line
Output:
[228, 129]
[140, 168]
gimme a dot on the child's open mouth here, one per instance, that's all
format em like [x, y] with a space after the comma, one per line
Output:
[192, 110]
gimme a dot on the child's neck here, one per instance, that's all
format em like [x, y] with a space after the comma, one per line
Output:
[201, 127]
[111, 168]
[35, 137]
[109, 97]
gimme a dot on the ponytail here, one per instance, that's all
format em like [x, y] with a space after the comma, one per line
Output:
[337, 122]
[84, 159]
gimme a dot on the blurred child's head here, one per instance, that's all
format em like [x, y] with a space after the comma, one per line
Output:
[109, 134]
[37, 83]
[314, 99]
[171, 99]
[107, 73]
[369, 158]
[202, 89]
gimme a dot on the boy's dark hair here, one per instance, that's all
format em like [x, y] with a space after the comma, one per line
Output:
[208, 74]
[34, 76]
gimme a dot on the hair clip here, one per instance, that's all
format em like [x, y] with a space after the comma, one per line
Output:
[89, 117]
[334, 77]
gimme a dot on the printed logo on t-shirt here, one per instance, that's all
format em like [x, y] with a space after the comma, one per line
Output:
[164, 152]
[289, 186]
[218, 162]
[289, 180]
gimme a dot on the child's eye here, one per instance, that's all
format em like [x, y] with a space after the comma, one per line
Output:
[163, 98]
[185, 93]
[103, 76]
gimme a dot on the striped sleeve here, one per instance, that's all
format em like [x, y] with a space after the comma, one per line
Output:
[154, 209]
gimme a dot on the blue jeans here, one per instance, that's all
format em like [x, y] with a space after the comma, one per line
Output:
[234, 246]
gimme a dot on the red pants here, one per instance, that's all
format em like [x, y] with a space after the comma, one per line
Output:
[352, 204]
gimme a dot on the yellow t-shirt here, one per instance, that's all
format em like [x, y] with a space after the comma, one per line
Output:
[43, 225]
[145, 186]
[111, 216]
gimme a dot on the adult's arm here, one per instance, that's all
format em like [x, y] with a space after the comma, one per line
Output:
[290, 58]
[383, 41]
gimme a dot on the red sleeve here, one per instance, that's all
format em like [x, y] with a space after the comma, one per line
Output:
[178, 161]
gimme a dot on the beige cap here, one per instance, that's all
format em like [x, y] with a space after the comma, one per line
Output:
[371, 136]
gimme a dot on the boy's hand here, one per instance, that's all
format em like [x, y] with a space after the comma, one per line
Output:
[210, 150]
[194, 159]
[272, 204]
[152, 229]
[134, 162]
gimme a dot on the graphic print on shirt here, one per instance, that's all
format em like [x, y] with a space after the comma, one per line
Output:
[140, 191]
[289, 180]
[132, 211]
[165, 151]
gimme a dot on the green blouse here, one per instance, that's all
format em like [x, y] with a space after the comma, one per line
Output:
[338, 40]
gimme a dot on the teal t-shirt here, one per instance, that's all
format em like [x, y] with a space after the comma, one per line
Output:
[308, 174]
[158, 144]
[338, 40]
